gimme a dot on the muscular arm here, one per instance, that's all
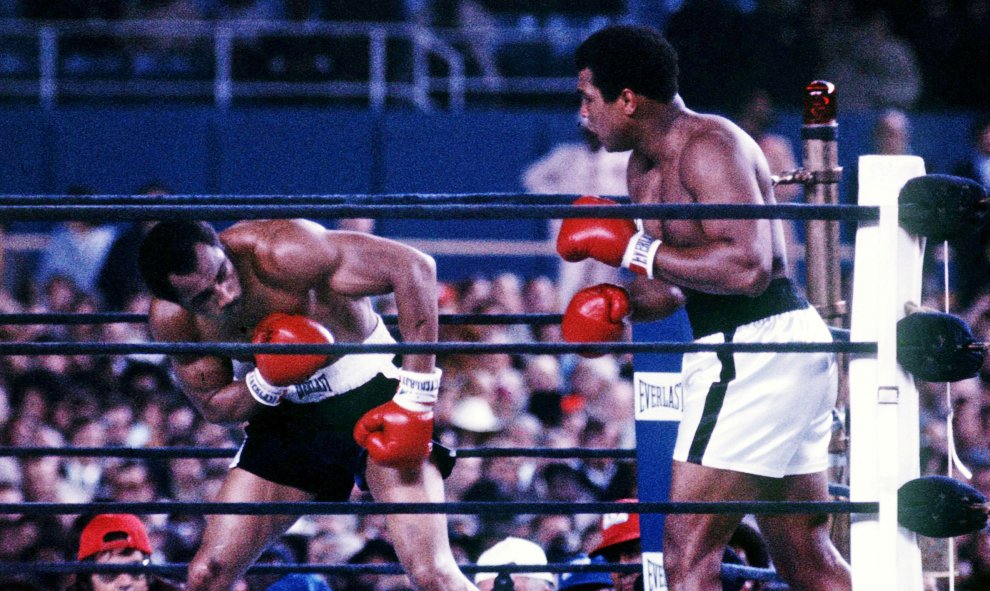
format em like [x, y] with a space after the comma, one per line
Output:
[208, 381]
[359, 265]
[720, 256]
[653, 299]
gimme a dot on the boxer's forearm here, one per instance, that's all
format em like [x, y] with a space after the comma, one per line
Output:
[231, 404]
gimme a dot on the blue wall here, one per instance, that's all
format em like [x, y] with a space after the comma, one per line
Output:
[311, 150]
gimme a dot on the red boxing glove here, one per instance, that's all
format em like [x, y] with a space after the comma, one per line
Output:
[596, 315]
[615, 242]
[399, 433]
[280, 328]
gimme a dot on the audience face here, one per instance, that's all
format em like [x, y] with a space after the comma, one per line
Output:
[122, 581]
[892, 134]
[131, 483]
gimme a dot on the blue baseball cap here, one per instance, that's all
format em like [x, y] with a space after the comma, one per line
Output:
[585, 581]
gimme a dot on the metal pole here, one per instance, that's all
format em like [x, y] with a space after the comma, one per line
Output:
[819, 136]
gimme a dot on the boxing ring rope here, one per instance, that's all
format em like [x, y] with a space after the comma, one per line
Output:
[448, 507]
[229, 452]
[208, 453]
[669, 211]
[392, 319]
[534, 348]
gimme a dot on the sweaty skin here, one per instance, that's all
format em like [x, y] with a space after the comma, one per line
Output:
[296, 267]
[299, 267]
[680, 156]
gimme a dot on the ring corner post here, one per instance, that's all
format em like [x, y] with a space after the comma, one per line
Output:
[884, 438]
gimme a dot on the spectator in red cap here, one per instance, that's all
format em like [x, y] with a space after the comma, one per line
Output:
[620, 543]
[117, 539]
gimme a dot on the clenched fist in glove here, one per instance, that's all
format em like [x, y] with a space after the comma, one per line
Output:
[276, 375]
[399, 433]
[615, 242]
[596, 314]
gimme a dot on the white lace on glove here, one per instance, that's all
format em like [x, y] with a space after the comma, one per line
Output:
[640, 252]
[418, 391]
[264, 392]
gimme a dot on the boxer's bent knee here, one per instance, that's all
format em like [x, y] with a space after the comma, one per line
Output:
[209, 574]
[430, 574]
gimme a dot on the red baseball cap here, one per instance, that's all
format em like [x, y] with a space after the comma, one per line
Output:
[618, 528]
[113, 532]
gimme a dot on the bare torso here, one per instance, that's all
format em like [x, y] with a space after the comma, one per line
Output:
[659, 173]
[297, 267]
[349, 319]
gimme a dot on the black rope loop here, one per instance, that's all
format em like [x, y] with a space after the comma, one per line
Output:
[733, 572]
[448, 508]
[670, 211]
[168, 453]
[131, 318]
[532, 319]
[228, 452]
[533, 348]
[305, 199]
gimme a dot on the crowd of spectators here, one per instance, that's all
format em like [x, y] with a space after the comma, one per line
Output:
[930, 54]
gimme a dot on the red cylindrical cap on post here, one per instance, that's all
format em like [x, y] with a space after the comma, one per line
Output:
[819, 103]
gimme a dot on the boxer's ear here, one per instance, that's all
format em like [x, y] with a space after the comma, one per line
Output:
[629, 101]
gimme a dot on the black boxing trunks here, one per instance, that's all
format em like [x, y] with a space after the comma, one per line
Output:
[311, 446]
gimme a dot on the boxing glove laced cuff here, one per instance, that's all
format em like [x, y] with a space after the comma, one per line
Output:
[262, 391]
[640, 252]
[418, 391]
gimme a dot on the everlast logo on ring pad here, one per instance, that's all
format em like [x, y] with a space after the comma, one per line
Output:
[654, 577]
[659, 396]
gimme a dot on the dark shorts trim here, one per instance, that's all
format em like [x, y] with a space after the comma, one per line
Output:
[713, 404]
[711, 313]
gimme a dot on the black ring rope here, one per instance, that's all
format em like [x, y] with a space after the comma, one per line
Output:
[449, 508]
[178, 569]
[126, 317]
[389, 568]
[168, 453]
[535, 348]
[839, 334]
[307, 199]
[228, 452]
[670, 211]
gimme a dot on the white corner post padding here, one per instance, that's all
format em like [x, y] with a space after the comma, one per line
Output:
[884, 438]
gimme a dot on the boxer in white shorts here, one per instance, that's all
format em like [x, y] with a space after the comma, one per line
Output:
[756, 425]
[768, 414]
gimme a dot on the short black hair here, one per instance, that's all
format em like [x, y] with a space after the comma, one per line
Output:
[170, 248]
[629, 56]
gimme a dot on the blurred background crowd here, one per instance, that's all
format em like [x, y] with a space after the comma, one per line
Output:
[929, 53]
[743, 57]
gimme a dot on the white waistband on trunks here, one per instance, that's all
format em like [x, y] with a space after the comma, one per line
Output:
[351, 371]
[345, 374]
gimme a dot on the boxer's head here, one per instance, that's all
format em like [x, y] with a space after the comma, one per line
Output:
[634, 57]
[184, 262]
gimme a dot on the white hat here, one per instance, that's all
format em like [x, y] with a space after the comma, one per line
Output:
[514, 551]
[475, 414]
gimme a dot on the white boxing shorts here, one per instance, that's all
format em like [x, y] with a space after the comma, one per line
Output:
[768, 414]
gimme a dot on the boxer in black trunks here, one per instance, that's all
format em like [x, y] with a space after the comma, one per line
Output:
[296, 279]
